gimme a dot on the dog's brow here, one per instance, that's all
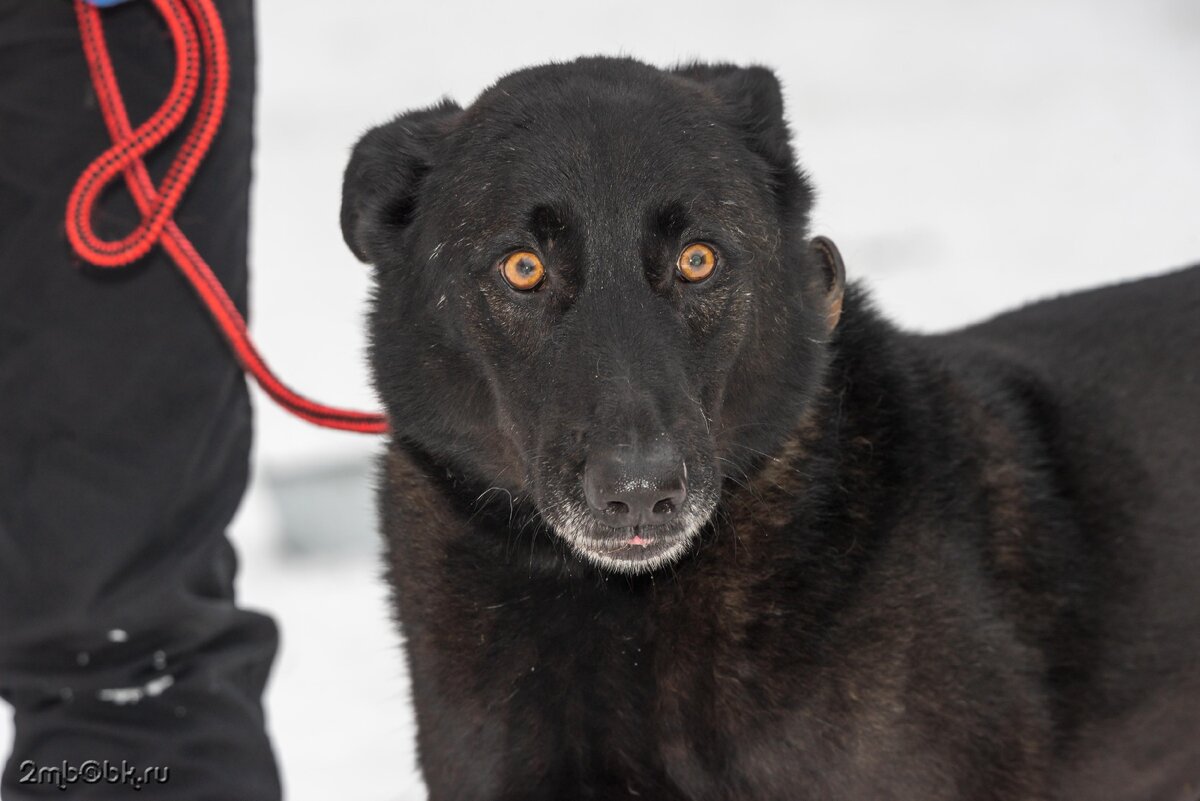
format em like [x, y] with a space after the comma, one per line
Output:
[545, 221]
[670, 219]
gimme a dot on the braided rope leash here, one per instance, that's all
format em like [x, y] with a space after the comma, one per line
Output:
[201, 68]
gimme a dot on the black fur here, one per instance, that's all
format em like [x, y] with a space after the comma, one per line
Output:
[951, 567]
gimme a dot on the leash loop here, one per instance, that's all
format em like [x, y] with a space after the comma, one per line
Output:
[202, 66]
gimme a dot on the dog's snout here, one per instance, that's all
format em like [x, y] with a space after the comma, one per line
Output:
[635, 486]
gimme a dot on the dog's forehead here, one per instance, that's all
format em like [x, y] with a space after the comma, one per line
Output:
[607, 150]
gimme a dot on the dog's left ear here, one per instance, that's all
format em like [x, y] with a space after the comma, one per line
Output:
[830, 259]
[384, 176]
[755, 100]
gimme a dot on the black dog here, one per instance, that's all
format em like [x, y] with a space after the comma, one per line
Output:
[668, 517]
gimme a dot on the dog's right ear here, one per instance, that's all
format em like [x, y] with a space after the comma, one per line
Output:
[835, 278]
[754, 98]
[383, 178]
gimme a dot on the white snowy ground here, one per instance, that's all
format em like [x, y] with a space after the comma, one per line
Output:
[969, 157]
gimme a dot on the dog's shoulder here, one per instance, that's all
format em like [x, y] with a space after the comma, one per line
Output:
[1105, 384]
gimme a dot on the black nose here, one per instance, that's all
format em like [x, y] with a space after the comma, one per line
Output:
[635, 486]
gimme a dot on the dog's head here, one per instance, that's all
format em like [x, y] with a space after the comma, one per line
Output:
[595, 290]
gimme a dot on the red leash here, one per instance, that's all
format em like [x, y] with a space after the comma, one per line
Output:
[201, 65]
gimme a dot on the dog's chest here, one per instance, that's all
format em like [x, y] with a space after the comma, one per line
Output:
[584, 664]
[627, 691]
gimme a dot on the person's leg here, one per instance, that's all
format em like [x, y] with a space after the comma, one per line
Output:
[124, 439]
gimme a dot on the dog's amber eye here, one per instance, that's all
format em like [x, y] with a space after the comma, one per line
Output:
[697, 262]
[522, 270]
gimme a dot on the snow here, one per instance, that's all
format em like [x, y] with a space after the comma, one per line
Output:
[969, 157]
[132, 695]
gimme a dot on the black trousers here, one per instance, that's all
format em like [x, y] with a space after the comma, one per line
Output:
[124, 439]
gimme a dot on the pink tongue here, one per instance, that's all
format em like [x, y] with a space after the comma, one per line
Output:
[636, 539]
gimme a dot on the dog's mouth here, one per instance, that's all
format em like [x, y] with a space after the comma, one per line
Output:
[634, 550]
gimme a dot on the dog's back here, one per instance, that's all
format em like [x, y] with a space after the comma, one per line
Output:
[1119, 368]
